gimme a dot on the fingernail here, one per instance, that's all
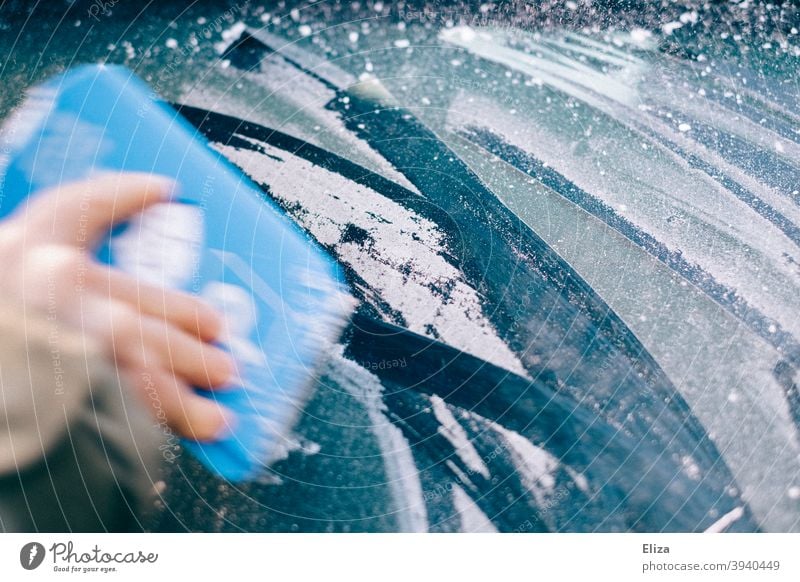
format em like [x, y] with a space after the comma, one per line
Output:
[231, 377]
[227, 427]
[219, 368]
[168, 187]
[220, 324]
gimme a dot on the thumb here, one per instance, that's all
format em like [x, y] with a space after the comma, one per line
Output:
[80, 213]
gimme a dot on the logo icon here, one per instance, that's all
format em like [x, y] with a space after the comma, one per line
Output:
[31, 555]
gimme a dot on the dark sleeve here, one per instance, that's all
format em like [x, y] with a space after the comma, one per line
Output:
[78, 452]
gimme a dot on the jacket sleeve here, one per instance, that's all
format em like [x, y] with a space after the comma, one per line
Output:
[78, 452]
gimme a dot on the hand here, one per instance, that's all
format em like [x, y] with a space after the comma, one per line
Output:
[157, 338]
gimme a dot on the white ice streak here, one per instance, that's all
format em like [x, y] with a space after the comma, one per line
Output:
[403, 263]
[280, 95]
[455, 433]
[229, 35]
[401, 471]
[473, 519]
[685, 209]
[726, 520]
[688, 212]
[536, 467]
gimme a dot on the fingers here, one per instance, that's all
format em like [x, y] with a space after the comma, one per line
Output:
[158, 337]
[165, 361]
[194, 316]
[80, 213]
[188, 414]
[173, 325]
[199, 363]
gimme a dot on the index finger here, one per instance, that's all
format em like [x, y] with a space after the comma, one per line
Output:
[80, 213]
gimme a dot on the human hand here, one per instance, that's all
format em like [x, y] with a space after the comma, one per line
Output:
[158, 339]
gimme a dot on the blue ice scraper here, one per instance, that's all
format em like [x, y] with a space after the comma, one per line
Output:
[283, 298]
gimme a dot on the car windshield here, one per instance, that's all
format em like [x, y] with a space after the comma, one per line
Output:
[593, 210]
